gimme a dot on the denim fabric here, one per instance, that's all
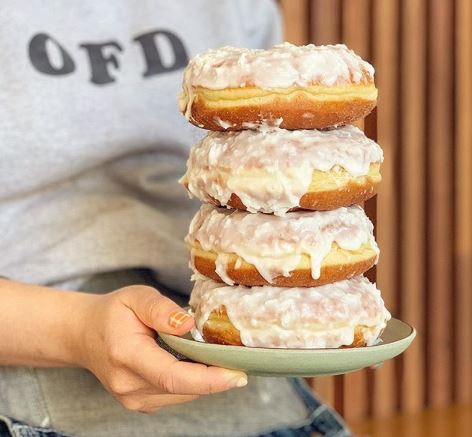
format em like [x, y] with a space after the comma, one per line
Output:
[321, 420]
[12, 428]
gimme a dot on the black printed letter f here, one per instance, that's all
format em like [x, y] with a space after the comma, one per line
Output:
[99, 61]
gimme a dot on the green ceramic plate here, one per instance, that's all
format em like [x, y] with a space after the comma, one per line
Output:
[396, 337]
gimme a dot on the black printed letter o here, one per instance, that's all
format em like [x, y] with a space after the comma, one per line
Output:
[40, 59]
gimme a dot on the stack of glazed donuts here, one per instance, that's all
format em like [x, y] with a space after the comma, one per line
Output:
[280, 245]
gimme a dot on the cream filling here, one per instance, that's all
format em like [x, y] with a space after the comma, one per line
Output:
[276, 245]
[335, 257]
[317, 317]
[322, 92]
[233, 98]
[241, 97]
[275, 192]
[271, 169]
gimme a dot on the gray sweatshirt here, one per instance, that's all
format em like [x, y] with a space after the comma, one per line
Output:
[91, 148]
[91, 140]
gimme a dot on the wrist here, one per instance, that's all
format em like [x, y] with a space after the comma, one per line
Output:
[41, 326]
[74, 324]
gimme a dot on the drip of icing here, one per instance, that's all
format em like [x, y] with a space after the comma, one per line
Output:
[283, 161]
[273, 244]
[317, 317]
[264, 125]
[223, 123]
[220, 268]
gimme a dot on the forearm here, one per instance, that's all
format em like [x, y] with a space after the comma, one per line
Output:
[40, 326]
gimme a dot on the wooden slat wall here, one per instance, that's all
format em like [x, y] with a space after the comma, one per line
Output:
[439, 138]
[422, 52]
[355, 30]
[463, 201]
[384, 36]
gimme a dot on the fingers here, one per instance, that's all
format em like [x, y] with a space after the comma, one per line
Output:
[157, 311]
[178, 377]
[151, 403]
[193, 378]
[160, 368]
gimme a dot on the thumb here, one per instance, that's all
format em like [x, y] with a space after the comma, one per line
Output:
[157, 311]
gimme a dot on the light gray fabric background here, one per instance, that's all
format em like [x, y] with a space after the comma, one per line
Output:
[88, 173]
[88, 184]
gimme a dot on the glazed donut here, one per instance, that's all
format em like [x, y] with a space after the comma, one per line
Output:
[349, 313]
[294, 87]
[299, 249]
[278, 170]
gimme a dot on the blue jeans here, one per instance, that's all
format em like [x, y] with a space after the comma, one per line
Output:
[322, 420]
[12, 428]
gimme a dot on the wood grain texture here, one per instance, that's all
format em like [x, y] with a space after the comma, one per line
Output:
[296, 22]
[325, 21]
[355, 31]
[412, 212]
[324, 387]
[356, 26]
[385, 58]
[439, 202]
[451, 421]
[422, 51]
[463, 198]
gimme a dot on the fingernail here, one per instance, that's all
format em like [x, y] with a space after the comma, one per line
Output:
[178, 318]
[239, 381]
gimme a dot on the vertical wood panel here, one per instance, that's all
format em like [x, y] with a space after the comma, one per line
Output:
[325, 388]
[355, 29]
[371, 130]
[296, 22]
[326, 21]
[385, 57]
[422, 51]
[411, 183]
[463, 184]
[439, 212]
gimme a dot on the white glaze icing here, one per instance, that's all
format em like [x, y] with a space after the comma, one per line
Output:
[318, 317]
[282, 66]
[223, 123]
[263, 125]
[275, 244]
[228, 162]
